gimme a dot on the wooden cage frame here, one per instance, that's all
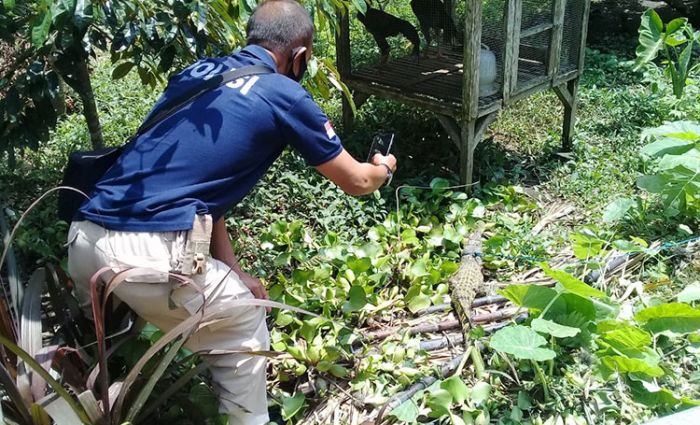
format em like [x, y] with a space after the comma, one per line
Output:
[466, 123]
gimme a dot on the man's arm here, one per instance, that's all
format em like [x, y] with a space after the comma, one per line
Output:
[356, 178]
[222, 250]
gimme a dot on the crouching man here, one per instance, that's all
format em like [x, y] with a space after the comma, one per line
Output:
[170, 190]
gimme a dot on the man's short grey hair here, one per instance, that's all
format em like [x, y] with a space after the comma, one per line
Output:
[280, 26]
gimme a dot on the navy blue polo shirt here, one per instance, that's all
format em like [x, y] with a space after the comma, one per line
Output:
[205, 158]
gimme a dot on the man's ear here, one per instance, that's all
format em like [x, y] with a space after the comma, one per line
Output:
[296, 60]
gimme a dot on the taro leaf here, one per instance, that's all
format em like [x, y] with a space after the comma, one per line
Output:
[439, 402]
[652, 184]
[663, 397]
[554, 329]
[626, 337]
[292, 405]
[618, 209]
[651, 37]
[480, 393]
[456, 387]
[572, 284]
[532, 296]
[668, 146]
[677, 318]
[687, 131]
[624, 364]
[581, 305]
[690, 294]
[522, 342]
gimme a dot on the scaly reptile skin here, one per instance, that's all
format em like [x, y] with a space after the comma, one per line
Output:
[468, 281]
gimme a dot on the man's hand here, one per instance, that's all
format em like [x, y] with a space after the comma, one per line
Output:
[389, 160]
[255, 286]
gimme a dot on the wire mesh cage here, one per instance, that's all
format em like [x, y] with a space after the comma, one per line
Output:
[416, 47]
[571, 40]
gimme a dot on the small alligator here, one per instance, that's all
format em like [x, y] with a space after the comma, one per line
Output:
[468, 281]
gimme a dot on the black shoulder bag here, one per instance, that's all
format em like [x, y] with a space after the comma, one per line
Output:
[86, 168]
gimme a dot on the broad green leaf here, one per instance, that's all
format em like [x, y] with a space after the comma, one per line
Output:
[690, 160]
[406, 412]
[439, 184]
[522, 342]
[688, 131]
[480, 393]
[667, 310]
[690, 294]
[359, 265]
[456, 387]
[292, 405]
[40, 31]
[338, 371]
[8, 5]
[677, 318]
[439, 402]
[357, 298]
[586, 245]
[531, 296]
[624, 364]
[360, 5]
[121, 70]
[616, 210]
[624, 336]
[572, 284]
[418, 303]
[651, 37]
[652, 184]
[419, 268]
[668, 146]
[554, 329]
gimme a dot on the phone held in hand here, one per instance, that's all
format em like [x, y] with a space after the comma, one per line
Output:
[381, 144]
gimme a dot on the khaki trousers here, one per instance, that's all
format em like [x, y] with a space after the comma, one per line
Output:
[238, 379]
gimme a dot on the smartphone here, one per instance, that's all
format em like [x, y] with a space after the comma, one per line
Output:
[381, 144]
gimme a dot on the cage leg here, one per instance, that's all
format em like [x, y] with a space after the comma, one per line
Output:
[472, 134]
[568, 94]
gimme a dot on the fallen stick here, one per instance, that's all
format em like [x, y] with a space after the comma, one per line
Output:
[446, 325]
[457, 338]
[447, 370]
[478, 302]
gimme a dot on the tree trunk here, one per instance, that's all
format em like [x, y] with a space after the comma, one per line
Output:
[76, 74]
[87, 96]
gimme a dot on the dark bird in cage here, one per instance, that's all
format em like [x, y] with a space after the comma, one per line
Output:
[383, 25]
[435, 16]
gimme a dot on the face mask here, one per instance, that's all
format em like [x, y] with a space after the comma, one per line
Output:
[302, 66]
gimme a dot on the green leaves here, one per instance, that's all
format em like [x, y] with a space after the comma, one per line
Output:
[623, 364]
[292, 405]
[40, 30]
[572, 284]
[677, 44]
[677, 318]
[554, 329]
[521, 342]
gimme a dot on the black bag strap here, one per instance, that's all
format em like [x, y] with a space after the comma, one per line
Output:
[209, 84]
